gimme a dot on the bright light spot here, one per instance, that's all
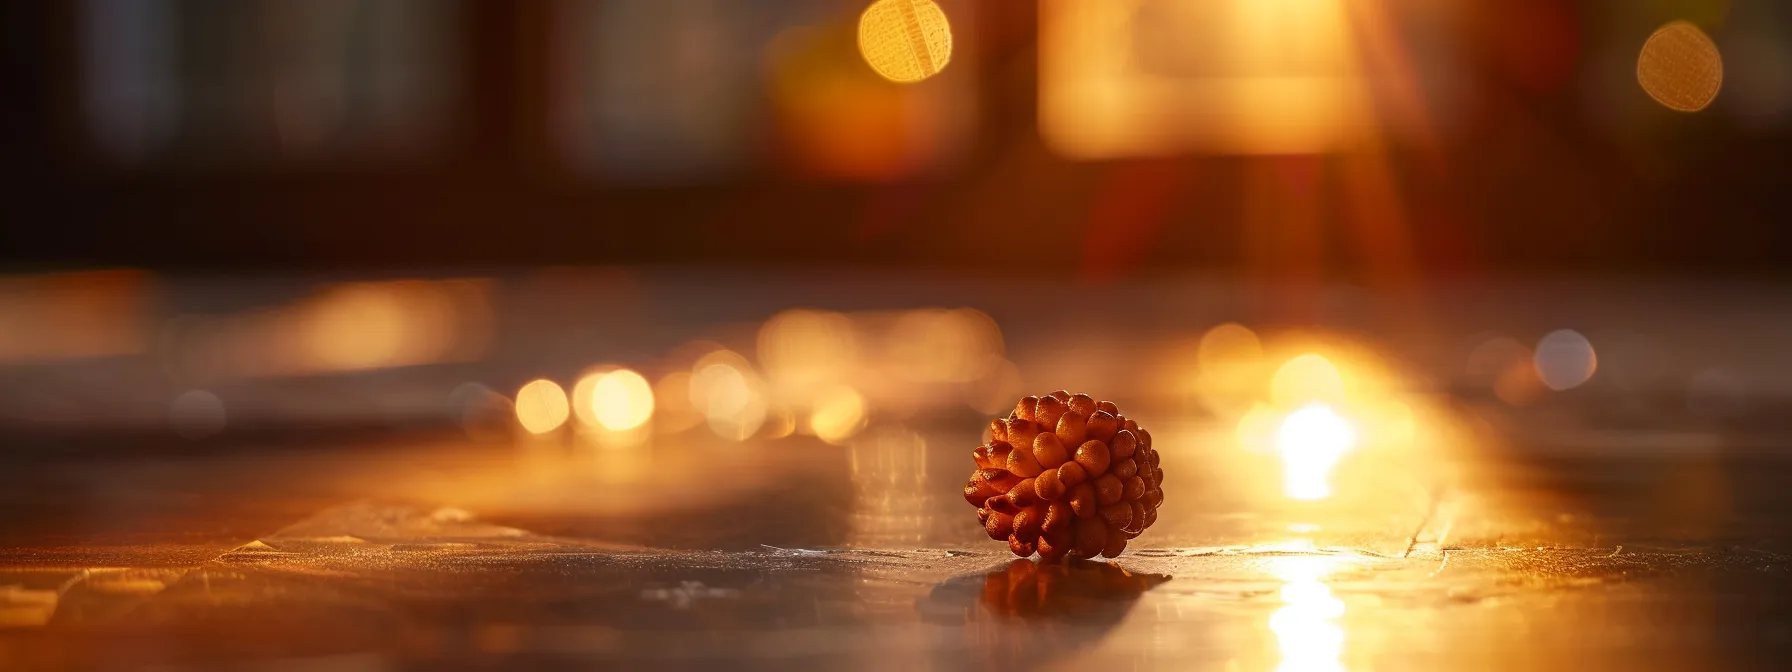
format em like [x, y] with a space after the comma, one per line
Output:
[1306, 626]
[541, 406]
[838, 415]
[1228, 345]
[1305, 379]
[621, 400]
[905, 40]
[1565, 359]
[1311, 441]
[1680, 67]
[197, 414]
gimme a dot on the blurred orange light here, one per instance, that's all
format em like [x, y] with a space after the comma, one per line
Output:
[1125, 79]
[622, 400]
[839, 414]
[541, 406]
[1680, 67]
[1307, 378]
[905, 40]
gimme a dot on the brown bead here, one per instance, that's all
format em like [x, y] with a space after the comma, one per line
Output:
[1150, 476]
[1028, 522]
[1116, 544]
[1091, 537]
[999, 456]
[1023, 495]
[1055, 542]
[1151, 454]
[1001, 504]
[1000, 479]
[998, 430]
[1073, 428]
[1138, 518]
[1130, 425]
[981, 456]
[1050, 409]
[982, 515]
[1072, 474]
[1125, 443]
[1058, 516]
[1026, 409]
[1020, 548]
[1021, 433]
[1144, 438]
[1107, 407]
[1153, 498]
[1082, 500]
[999, 525]
[978, 491]
[1060, 395]
[1108, 489]
[1021, 462]
[1092, 456]
[1048, 487]
[1124, 469]
[1049, 451]
[1082, 404]
[1117, 516]
[1150, 518]
[1101, 426]
[1132, 488]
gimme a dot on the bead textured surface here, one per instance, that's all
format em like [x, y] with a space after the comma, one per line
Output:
[1065, 476]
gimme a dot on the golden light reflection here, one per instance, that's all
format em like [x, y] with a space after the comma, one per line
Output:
[1680, 67]
[622, 400]
[1306, 626]
[905, 40]
[541, 406]
[1311, 440]
[839, 414]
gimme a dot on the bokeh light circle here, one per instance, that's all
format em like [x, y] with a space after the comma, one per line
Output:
[905, 40]
[1680, 67]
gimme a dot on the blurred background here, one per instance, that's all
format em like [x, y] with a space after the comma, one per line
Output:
[235, 221]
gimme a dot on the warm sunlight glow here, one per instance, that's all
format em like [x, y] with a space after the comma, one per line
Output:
[621, 400]
[839, 414]
[1306, 626]
[541, 406]
[905, 40]
[1311, 440]
[1307, 378]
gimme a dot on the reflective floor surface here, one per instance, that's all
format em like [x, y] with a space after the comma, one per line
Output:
[794, 554]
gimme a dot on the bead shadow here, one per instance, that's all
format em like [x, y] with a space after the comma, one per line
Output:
[1031, 611]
